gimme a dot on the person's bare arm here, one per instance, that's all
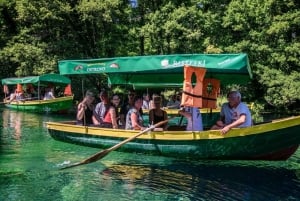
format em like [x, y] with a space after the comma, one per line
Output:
[80, 110]
[113, 118]
[135, 123]
[234, 124]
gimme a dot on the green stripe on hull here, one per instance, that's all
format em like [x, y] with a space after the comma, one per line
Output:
[54, 106]
[245, 147]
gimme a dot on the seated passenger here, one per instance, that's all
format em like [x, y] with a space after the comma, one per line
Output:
[18, 95]
[173, 103]
[194, 118]
[233, 114]
[85, 109]
[115, 101]
[134, 119]
[49, 93]
[111, 118]
[146, 101]
[157, 114]
[126, 106]
[102, 110]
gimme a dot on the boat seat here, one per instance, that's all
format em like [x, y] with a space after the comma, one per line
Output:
[176, 128]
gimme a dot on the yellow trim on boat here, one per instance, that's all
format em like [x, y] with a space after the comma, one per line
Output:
[37, 102]
[176, 135]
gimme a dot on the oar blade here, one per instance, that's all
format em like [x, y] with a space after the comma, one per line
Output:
[103, 153]
[72, 165]
[91, 159]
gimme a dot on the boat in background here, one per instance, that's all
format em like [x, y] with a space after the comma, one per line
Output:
[32, 100]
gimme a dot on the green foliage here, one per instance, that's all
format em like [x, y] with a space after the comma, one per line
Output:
[36, 34]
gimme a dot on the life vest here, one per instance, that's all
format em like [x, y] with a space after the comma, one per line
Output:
[192, 95]
[19, 88]
[68, 90]
[5, 89]
[211, 90]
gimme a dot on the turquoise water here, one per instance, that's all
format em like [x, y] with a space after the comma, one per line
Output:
[30, 160]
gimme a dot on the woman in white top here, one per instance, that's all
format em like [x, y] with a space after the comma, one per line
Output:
[49, 94]
[194, 118]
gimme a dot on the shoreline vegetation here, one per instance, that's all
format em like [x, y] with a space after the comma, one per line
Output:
[33, 40]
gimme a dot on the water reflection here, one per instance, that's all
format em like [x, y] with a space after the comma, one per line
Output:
[185, 181]
[30, 159]
[14, 119]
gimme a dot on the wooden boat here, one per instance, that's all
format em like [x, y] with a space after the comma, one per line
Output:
[60, 104]
[37, 104]
[276, 140]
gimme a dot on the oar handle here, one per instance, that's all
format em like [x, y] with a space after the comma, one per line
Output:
[137, 135]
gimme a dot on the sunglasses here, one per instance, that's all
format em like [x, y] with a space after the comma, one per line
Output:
[130, 94]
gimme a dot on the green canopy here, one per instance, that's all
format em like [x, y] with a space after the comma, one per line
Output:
[161, 70]
[43, 80]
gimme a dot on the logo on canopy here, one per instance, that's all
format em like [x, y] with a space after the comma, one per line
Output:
[78, 67]
[114, 65]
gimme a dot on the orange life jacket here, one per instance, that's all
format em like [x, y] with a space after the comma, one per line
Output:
[68, 90]
[5, 89]
[19, 88]
[211, 90]
[192, 95]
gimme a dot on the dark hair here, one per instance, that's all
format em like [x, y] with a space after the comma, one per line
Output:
[131, 91]
[103, 93]
[89, 93]
[136, 98]
[157, 99]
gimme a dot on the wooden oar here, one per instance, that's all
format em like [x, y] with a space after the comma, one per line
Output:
[103, 153]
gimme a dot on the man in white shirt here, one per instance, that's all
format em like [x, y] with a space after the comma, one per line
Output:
[233, 114]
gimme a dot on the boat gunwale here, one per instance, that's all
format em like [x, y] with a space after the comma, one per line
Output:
[39, 102]
[71, 127]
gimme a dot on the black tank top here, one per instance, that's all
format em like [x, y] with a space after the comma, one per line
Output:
[157, 118]
[88, 118]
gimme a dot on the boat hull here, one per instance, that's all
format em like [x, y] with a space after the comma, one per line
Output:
[60, 104]
[271, 141]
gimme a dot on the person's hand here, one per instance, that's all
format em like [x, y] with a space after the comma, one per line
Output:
[83, 106]
[143, 128]
[225, 130]
[180, 111]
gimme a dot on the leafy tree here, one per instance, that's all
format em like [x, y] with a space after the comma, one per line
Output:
[269, 32]
[36, 34]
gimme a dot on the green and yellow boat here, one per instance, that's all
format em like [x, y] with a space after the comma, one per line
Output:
[36, 103]
[276, 140]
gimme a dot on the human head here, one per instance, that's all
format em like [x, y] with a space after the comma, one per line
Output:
[173, 97]
[146, 96]
[138, 102]
[131, 95]
[103, 96]
[115, 100]
[157, 101]
[234, 98]
[89, 97]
